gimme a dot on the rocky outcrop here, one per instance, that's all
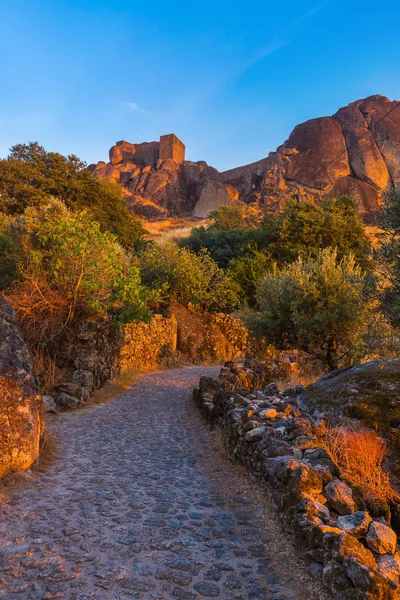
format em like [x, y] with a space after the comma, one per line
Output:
[158, 183]
[325, 157]
[354, 554]
[354, 152]
[21, 411]
[369, 392]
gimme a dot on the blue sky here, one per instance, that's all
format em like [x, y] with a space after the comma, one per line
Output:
[231, 79]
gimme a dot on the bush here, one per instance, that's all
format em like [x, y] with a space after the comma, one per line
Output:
[224, 245]
[175, 274]
[359, 453]
[318, 305]
[306, 227]
[303, 229]
[388, 257]
[30, 175]
[247, 271]
[236, 216]
[69, 269]
[8, 252]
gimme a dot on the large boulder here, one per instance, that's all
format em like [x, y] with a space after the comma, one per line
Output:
[340, 497]
[212, 196]
[326, 157]
[21, 410]
[369, 392]
[381, 538]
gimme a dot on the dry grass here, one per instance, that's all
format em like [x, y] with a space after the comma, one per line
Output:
[172, 229]
[46, 369]
[360, 454]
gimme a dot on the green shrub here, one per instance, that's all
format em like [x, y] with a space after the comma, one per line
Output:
[68, 268]
[236, 216]
[247, 271]
[177, 274]
[306, 227]
[318, 305]
[388, 257]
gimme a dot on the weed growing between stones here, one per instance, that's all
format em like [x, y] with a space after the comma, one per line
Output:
[360, 454]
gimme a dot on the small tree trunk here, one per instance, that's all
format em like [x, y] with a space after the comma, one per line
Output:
[331, 355]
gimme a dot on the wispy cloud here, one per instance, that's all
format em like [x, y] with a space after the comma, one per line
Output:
[285, 36]
[134, 106]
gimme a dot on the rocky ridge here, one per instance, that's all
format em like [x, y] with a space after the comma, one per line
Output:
[354, 554]
[354, 152]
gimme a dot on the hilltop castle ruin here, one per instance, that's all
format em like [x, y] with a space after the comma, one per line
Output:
[148, 154]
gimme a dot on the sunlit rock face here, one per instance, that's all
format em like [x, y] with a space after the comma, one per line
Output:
[21, 411]
[353, 152]
[326, 157]
[159, 183]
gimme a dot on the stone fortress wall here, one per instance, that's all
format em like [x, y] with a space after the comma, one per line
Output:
[147, 154]
[172, 148]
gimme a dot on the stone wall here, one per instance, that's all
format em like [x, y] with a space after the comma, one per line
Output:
[354, 552]
[90, 356]
[99, 351]
[21, 411]
[208, 338]
[146, 344]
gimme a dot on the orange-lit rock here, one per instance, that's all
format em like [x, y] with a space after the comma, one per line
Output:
[325, 157]
[21, 411]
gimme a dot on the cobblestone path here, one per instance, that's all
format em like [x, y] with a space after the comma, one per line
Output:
[134, 506]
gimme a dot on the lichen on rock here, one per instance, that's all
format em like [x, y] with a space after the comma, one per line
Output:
[21, 410]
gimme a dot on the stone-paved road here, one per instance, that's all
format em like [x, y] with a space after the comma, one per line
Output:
[135, 506]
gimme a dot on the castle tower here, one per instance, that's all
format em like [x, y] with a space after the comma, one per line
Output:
[171, 147]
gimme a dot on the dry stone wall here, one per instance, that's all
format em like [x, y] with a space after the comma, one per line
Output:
[146, 344]
[99, 351]
[354, 553]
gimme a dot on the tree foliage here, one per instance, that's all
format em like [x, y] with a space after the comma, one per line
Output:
[302, 229]
[306, 227]
[388, 257]
[178, 274]
[225, 245]
[68, 267]
[30, 175]
[247, 271]
[236, 216]
[318, 305]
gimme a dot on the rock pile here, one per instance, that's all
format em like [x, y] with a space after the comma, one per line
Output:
[21, 411]
[355, 555]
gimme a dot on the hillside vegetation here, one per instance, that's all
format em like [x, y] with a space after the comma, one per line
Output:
[307, 279]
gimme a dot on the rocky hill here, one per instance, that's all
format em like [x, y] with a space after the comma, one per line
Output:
[322, 157]
[158, 183]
